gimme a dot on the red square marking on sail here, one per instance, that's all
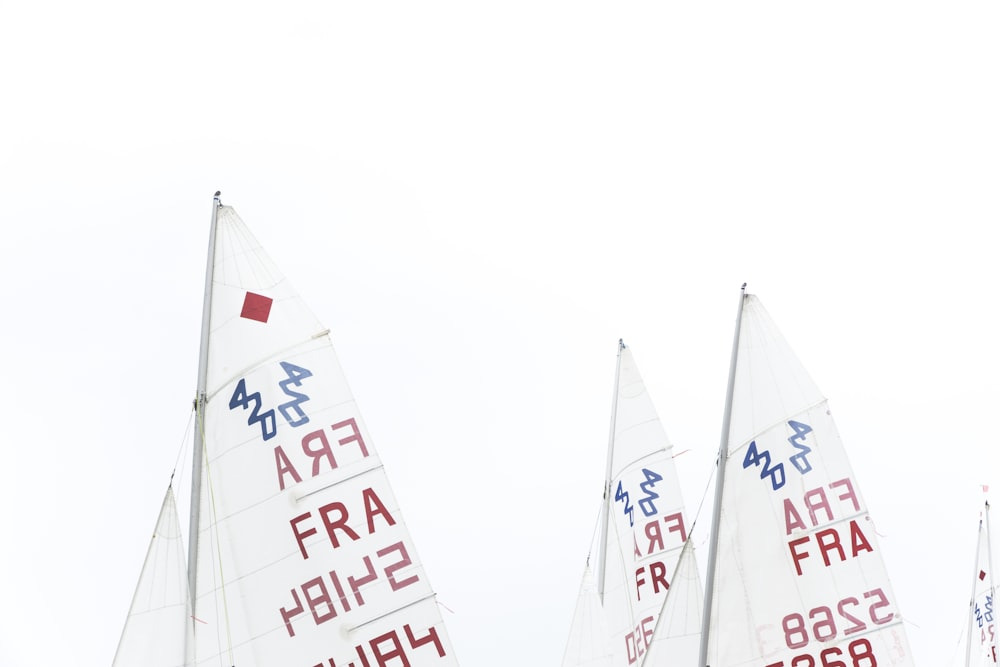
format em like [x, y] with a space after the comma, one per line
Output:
[982, 575]
[256, 307]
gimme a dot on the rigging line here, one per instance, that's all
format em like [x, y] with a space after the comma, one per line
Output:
[182, 449]
[704, 496]
[215, 528]
[595, 533]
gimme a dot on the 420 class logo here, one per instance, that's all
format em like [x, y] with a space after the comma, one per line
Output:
[291, 410]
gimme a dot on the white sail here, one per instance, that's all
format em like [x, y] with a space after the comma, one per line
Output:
[796, 576]
[303, 558]
[646, 529]
[587, 645]
[159, 619]
[678, 626]
[981, 647]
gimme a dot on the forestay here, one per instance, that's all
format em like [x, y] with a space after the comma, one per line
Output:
[799, 578]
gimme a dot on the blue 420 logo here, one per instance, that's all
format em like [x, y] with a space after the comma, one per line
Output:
[776, 471]
[291, 410]
[646, 503]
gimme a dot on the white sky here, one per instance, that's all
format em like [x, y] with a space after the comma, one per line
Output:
[479, 200]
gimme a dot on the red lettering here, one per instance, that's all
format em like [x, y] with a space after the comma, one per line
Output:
[335, 517]
[314, 601]
[658, 577]
[654, 536]
[288, 614]
[654, 533]
[432, 637]
[388, 647]
[858, 540]
[318, 449]
[323, 451]
[634, 648]
[341, 523]
[351, 438]
[357, 582]
[647, 631]
[818, 505]
[829, 540]
[300, 537]
[848, 492]
[816, 500]
[797, 555]
[792, 518]
[284, 466]
[374, 506]
[395, 649]
[404, 560]
[340, 590]
[676, 524]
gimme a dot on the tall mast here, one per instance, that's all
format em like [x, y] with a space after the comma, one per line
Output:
[606, 509]
[199, 405]
[713, 541]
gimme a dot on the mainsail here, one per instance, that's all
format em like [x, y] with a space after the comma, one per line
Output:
[643, 531]
[981, 646]
[795, 573]
[301, 557]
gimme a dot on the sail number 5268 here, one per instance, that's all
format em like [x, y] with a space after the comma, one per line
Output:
[824, 627]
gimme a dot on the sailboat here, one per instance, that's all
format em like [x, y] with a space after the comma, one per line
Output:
[795, 576]
[619, 615]
[298, 555]
[981, 640]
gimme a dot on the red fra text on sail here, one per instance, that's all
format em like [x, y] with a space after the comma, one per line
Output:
[318, 452]
[653, 533]
[657, 578]
[334, 519]
[834, 544]
[655, 542]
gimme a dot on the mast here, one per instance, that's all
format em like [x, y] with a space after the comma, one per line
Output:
[606, 509]
[199, 405]
[713, 541]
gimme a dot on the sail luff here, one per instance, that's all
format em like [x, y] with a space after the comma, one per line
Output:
[200, 399]
[606, 507]
[713, 541]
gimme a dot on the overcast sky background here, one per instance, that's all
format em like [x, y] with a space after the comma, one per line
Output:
[479, 200]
